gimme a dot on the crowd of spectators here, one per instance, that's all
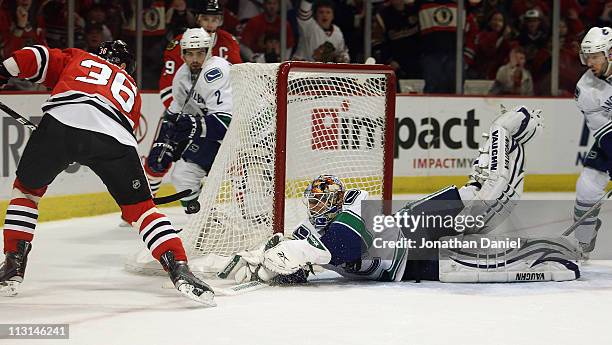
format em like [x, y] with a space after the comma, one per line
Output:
[505, 41]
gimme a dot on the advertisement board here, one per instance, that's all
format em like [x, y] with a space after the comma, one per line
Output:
[434, 136]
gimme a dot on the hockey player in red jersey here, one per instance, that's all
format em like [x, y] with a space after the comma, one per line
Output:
[89, 118]
[210, 18]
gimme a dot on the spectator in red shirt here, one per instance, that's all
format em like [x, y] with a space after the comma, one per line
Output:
[231, 23]
[178, 18]
[598, 12]
[53, 19]
[492, 47]
[262, 25]
[271, 50]
[17, 27]
[570, 68]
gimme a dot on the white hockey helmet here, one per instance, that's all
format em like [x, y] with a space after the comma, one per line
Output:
[595, 41]
[196, 38]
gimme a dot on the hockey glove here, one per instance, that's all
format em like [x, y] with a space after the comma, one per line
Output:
[161, 156]
[186, 127]
[246, 266]
[287, 256]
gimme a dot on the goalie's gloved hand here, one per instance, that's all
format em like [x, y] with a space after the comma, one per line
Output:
[286, 256]
[161, 156]
[246, 266]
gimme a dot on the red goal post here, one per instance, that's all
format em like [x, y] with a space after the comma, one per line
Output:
[281, 129]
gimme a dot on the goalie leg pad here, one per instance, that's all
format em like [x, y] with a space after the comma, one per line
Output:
[522, 124]
[535, 259]
[500, 181]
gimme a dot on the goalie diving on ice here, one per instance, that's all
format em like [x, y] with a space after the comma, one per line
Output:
[337, 237]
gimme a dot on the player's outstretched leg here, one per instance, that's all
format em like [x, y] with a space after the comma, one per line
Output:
[12, 270]
[185, 282]
[161, 239]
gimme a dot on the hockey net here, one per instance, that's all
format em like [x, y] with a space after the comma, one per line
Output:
[291, 122]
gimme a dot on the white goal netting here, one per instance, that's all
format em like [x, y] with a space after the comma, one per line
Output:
[335, 122]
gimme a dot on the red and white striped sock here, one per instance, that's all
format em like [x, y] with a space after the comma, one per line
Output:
[21, 215]
[155, 229]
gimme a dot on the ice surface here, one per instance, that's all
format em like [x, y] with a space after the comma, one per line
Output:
[75, 275]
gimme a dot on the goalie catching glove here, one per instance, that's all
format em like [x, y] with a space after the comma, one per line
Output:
[279, 256]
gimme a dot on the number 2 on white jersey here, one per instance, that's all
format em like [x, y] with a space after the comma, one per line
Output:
[118, 87]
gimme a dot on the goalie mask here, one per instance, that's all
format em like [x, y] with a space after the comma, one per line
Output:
[323, 198]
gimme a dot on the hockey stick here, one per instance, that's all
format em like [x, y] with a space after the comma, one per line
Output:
[189, 94]
[589, 212]
[240, 289]
[22, 120]
[172, 197]
[234, 290]
[27, 123]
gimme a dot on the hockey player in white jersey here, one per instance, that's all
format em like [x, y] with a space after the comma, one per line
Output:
[195, 123]
[594, 100]
[320, 39]
[336, 237]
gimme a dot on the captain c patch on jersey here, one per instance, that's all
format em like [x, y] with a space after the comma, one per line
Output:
[213, 74]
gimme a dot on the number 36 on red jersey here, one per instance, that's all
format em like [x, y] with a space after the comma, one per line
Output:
[88, 92]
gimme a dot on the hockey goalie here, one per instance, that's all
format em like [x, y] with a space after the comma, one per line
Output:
[335, 235]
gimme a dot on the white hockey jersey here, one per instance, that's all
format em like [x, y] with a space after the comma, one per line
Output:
[376, 263]
[312, 36]
[212, 96]
[594, 100]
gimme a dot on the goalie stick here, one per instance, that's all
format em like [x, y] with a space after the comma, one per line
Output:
[28, 124]
[234, 290]
[589, 212]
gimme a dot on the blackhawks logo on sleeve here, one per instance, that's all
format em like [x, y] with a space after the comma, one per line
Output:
[172, 44]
